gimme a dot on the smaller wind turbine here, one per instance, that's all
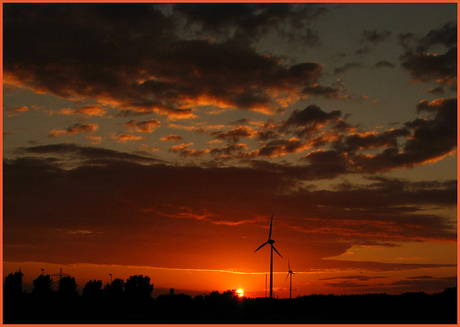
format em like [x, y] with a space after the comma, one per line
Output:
[272, 247]
[290, 273]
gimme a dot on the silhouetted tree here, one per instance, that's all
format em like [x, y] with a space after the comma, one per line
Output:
[14, 298]
[138, 292]
[113, 295]
[41, 298]
[67, 287]
[138, 287]
[115, 289]
[13, 295]
[92, 289]
[13, 284]
[92, 292]
[43, 284]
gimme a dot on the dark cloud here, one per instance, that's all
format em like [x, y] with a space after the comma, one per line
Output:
[426, 282]
[360, 51]
[307, 37]
[84, 153]
[282, 147]
[328, 163]
[309, 119]
[446, 35]
[147, 126]
[358, 277]
[125, 202]
[317, 90]
[433, 138]
[343, 149]
[342, 126]
[184, 151]
[361, 141]
[427, 140]
[251, 20]
[384, 64]
[425, 66]
[242, 121]
[375, 37]
[377, 266]
[370, 39]
[346, 67]
[267, 135]
[74, 129]
[139, 66]
[437, 90]
[228, 150]
[234, 135]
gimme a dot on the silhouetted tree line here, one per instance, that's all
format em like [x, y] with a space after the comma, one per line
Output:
[130, 301]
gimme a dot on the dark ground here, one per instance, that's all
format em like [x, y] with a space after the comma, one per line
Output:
[216, 308]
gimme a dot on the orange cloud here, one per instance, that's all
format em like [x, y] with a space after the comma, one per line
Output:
[77, 128]
[178, 148]
[16, 110]
[172, 137]
[144, 126]
[92, 110]
[123, 138]
[94, 139]
[283, 147]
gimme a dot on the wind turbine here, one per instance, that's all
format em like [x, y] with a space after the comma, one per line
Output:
[290, 273]
[272, 247]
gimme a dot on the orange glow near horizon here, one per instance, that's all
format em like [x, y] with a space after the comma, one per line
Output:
[240, 292]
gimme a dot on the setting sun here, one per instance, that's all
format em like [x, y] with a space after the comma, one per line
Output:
[240, 292]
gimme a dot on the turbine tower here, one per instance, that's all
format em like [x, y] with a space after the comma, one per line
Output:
[290, 273]
[272, 247]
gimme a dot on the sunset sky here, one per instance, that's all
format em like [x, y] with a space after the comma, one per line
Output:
[158, 139]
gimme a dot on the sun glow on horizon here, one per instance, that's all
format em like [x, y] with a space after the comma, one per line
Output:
[240, 292]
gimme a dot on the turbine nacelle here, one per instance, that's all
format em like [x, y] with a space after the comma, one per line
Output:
[270, 241]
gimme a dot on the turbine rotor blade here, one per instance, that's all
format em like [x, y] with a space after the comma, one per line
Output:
[270, 233]
[289, 266]
[286, 277]
[277, 251]
[261, 246]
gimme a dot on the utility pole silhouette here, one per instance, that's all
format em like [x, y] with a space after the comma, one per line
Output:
[272, 247]
[61, 274]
